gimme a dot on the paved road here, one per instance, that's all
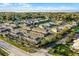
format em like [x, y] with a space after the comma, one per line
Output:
[14, 51]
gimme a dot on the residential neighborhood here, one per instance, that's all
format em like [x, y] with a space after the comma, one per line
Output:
[44, 34]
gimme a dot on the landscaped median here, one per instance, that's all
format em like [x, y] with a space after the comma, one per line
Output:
[31, 50]
[3, 51]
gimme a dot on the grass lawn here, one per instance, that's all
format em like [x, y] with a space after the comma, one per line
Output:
[3, 52]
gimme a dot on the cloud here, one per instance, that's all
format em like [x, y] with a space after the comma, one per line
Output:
[14, 6]
[65, 8]
[24, 5]
[61, 8]
[4, 4]
[30, 7]
[7, 5]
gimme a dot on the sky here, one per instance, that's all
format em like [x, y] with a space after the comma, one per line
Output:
[39, 7]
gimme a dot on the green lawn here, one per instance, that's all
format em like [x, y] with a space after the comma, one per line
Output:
[3, 52]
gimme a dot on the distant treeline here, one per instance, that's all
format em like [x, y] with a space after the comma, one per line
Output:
[34, 15]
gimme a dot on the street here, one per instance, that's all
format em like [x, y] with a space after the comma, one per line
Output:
[14, 51]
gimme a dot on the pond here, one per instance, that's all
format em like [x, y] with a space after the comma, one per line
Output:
[77, 30]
